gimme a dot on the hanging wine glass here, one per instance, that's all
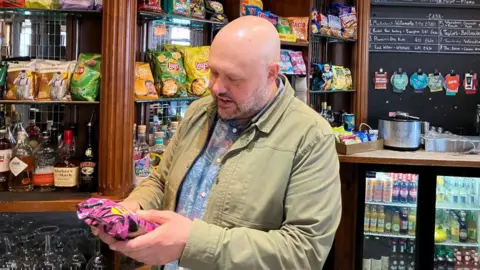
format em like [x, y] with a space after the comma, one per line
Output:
[75, 259]
[8, 259]
[49, 260]
[26, 251]
[98, 261]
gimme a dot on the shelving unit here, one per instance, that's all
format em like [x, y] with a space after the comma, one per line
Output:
[167, 99]
[295, 44]
[332, 39]
[389, 235]
[408, 205]
[457, 207]
[29, 11]
[150, 16]
[457, 244]
[34, 102]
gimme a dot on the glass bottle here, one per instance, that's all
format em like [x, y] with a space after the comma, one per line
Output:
[156, 151]
[45, 160]
[33, 132]
[5, 156]
[18, 126]
[66, 171]
[54, 137]
[88, 163]
[8, 126]
[21, 166]
[141, 156]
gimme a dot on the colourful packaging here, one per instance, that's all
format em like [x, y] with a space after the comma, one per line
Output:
[150, 5]
[327, 76]
[285, 30]
[273, 19]
[14, 3]
[348, 77]
[198, 73]
[299, 27]
[324, 26]
[21, 81]
[144, 83]
[77, 4]
[334, 26]
[114, 219]
[85, 84]
[99, 5]
[298, 63]
[252, 10]
[53, 81]
[171, 73]
[257, 3]
[348, 17]
[3, 75]
[42, 4]
[339, 79]
[198, 9]
[214, 7]
[285, 62]
[179, 7]
[314, 21]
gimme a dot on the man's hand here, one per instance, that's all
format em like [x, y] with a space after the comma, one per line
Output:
[161, 246]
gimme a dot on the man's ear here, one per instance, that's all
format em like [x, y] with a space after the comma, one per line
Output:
[273, 71]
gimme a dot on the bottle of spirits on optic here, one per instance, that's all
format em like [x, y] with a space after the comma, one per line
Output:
[45, 160]
[5, 155]
[21, 166]
[66, 171]
[8, 126]
[18, 126]
[141, 156]
[88, 164]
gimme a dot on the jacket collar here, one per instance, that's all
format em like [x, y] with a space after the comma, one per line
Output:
[270, 117]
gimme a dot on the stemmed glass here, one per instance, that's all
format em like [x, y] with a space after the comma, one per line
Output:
[98, 261]
[75, 260]
[26, 251]
[49, 260]
[8, 260]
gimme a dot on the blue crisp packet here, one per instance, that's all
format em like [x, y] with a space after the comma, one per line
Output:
[362, 135]
[285, 62]
[252, 10]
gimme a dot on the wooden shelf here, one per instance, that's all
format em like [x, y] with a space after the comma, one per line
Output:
[29, 11]
[332, 39]
[43, 202]
[167, 99]
[417, 158]
[49, 102]
[295, 44]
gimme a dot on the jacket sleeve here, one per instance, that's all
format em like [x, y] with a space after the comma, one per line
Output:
[312, 210]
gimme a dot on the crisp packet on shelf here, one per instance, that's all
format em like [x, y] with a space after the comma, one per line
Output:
[114, 219]
[77, 4]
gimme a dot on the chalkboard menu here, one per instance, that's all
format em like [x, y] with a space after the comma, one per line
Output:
[433, 3]
[430, 35]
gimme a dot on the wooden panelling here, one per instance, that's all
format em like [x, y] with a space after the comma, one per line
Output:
[117, 99]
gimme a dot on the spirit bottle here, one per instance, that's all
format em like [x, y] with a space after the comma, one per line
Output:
[88, 164]
[21, 166]
[141, 156]
[33, 131]
[18, 126]
[66, 171]
[156, 151]
[45, 160]
[5, 155]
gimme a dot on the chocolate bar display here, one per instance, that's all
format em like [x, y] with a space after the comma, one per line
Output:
[114, 219]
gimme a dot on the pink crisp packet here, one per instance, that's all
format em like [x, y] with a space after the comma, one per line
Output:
[77, 4]
[298, 63]
[114, 219]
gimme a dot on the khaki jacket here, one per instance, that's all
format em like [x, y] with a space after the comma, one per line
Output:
[276, 202]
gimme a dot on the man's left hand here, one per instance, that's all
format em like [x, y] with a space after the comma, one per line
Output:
[161, 246]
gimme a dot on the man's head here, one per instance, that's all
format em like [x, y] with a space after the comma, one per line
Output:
[244, 66]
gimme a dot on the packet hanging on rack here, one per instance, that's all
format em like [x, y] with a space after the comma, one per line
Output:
[114, 219]
[399, 82]
[451, 84]
[470, 83]
[21, 81]
[419, 81]
[435, 82]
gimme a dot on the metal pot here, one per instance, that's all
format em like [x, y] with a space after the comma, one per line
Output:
[400, 132]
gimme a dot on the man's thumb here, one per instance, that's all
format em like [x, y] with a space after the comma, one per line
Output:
[159, 217]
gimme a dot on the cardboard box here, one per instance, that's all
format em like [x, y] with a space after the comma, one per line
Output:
[359, 147]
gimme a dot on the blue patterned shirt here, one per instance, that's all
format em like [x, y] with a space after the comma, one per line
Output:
[196, 186]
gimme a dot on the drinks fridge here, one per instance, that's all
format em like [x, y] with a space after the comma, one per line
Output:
[457, 212]
[390, 221]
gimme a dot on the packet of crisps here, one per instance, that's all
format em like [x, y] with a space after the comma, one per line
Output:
[85, 84]
[285, 30]
[14, 3]
[20, 81]
[53, 81]
[115, 220]
[144, 83]
[41, 4]
[339, 79]
[198, 73]
[198, 9]
[171, 73]
[299, 27]
[179, 7]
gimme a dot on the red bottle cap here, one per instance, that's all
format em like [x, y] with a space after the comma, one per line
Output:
[68, 136]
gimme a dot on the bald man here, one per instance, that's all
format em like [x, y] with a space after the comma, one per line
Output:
[251, 178]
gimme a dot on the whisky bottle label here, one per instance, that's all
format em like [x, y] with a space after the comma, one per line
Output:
[17, 166]
[66, 177]
[43, 179]
[5, 156]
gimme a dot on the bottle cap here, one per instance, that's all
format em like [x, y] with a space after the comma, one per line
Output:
[159, 134]
[68, 136]
[142, 129]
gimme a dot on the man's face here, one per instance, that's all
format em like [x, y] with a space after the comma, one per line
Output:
[238, 84]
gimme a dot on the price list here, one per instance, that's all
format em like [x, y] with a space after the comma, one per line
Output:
[425, 35]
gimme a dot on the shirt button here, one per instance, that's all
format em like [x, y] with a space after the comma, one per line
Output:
[234, 130]
[203, 194]
[219, 160]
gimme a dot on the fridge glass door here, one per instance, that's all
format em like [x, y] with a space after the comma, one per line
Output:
[390, 221]
[456, 223]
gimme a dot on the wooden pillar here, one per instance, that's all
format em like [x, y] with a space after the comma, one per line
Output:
[360, 61]
[116, 99]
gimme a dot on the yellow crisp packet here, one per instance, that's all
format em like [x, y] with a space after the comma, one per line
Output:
[198, 73]
[144, 85]
[20, 81]
[339, 78]
[53, 80]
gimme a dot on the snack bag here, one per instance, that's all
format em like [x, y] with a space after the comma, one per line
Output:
[327, 76]
[14, 3]
[314, 21]
[298, 63]
[285, 62]
[99, 5]
[257, 3]
[85, 84]
[285, 30]
[3, 75]
[198, 73]
[174, 47]
[198, 9]
[273, 19]
[42, 4]
[169, 67]
[21, 81]
[299, 27]
[150, 5]
[252, 10]
[348, 17]
[214, 7]
[77, 4]
[334, 26]
[348, 77]
[324, 26]
[144, 83]
[179, 7]
[53, 81]
[339, 80]
[115, 220]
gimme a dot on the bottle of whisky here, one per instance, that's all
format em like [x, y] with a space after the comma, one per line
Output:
[21, 166]
[88, 164]
[33, 131]
[66, 171]
[5, 155]
[45, 160]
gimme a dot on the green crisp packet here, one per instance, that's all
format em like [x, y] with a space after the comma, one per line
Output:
[3, 74]
[179, 7]
[170, 71]
[85, 84]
